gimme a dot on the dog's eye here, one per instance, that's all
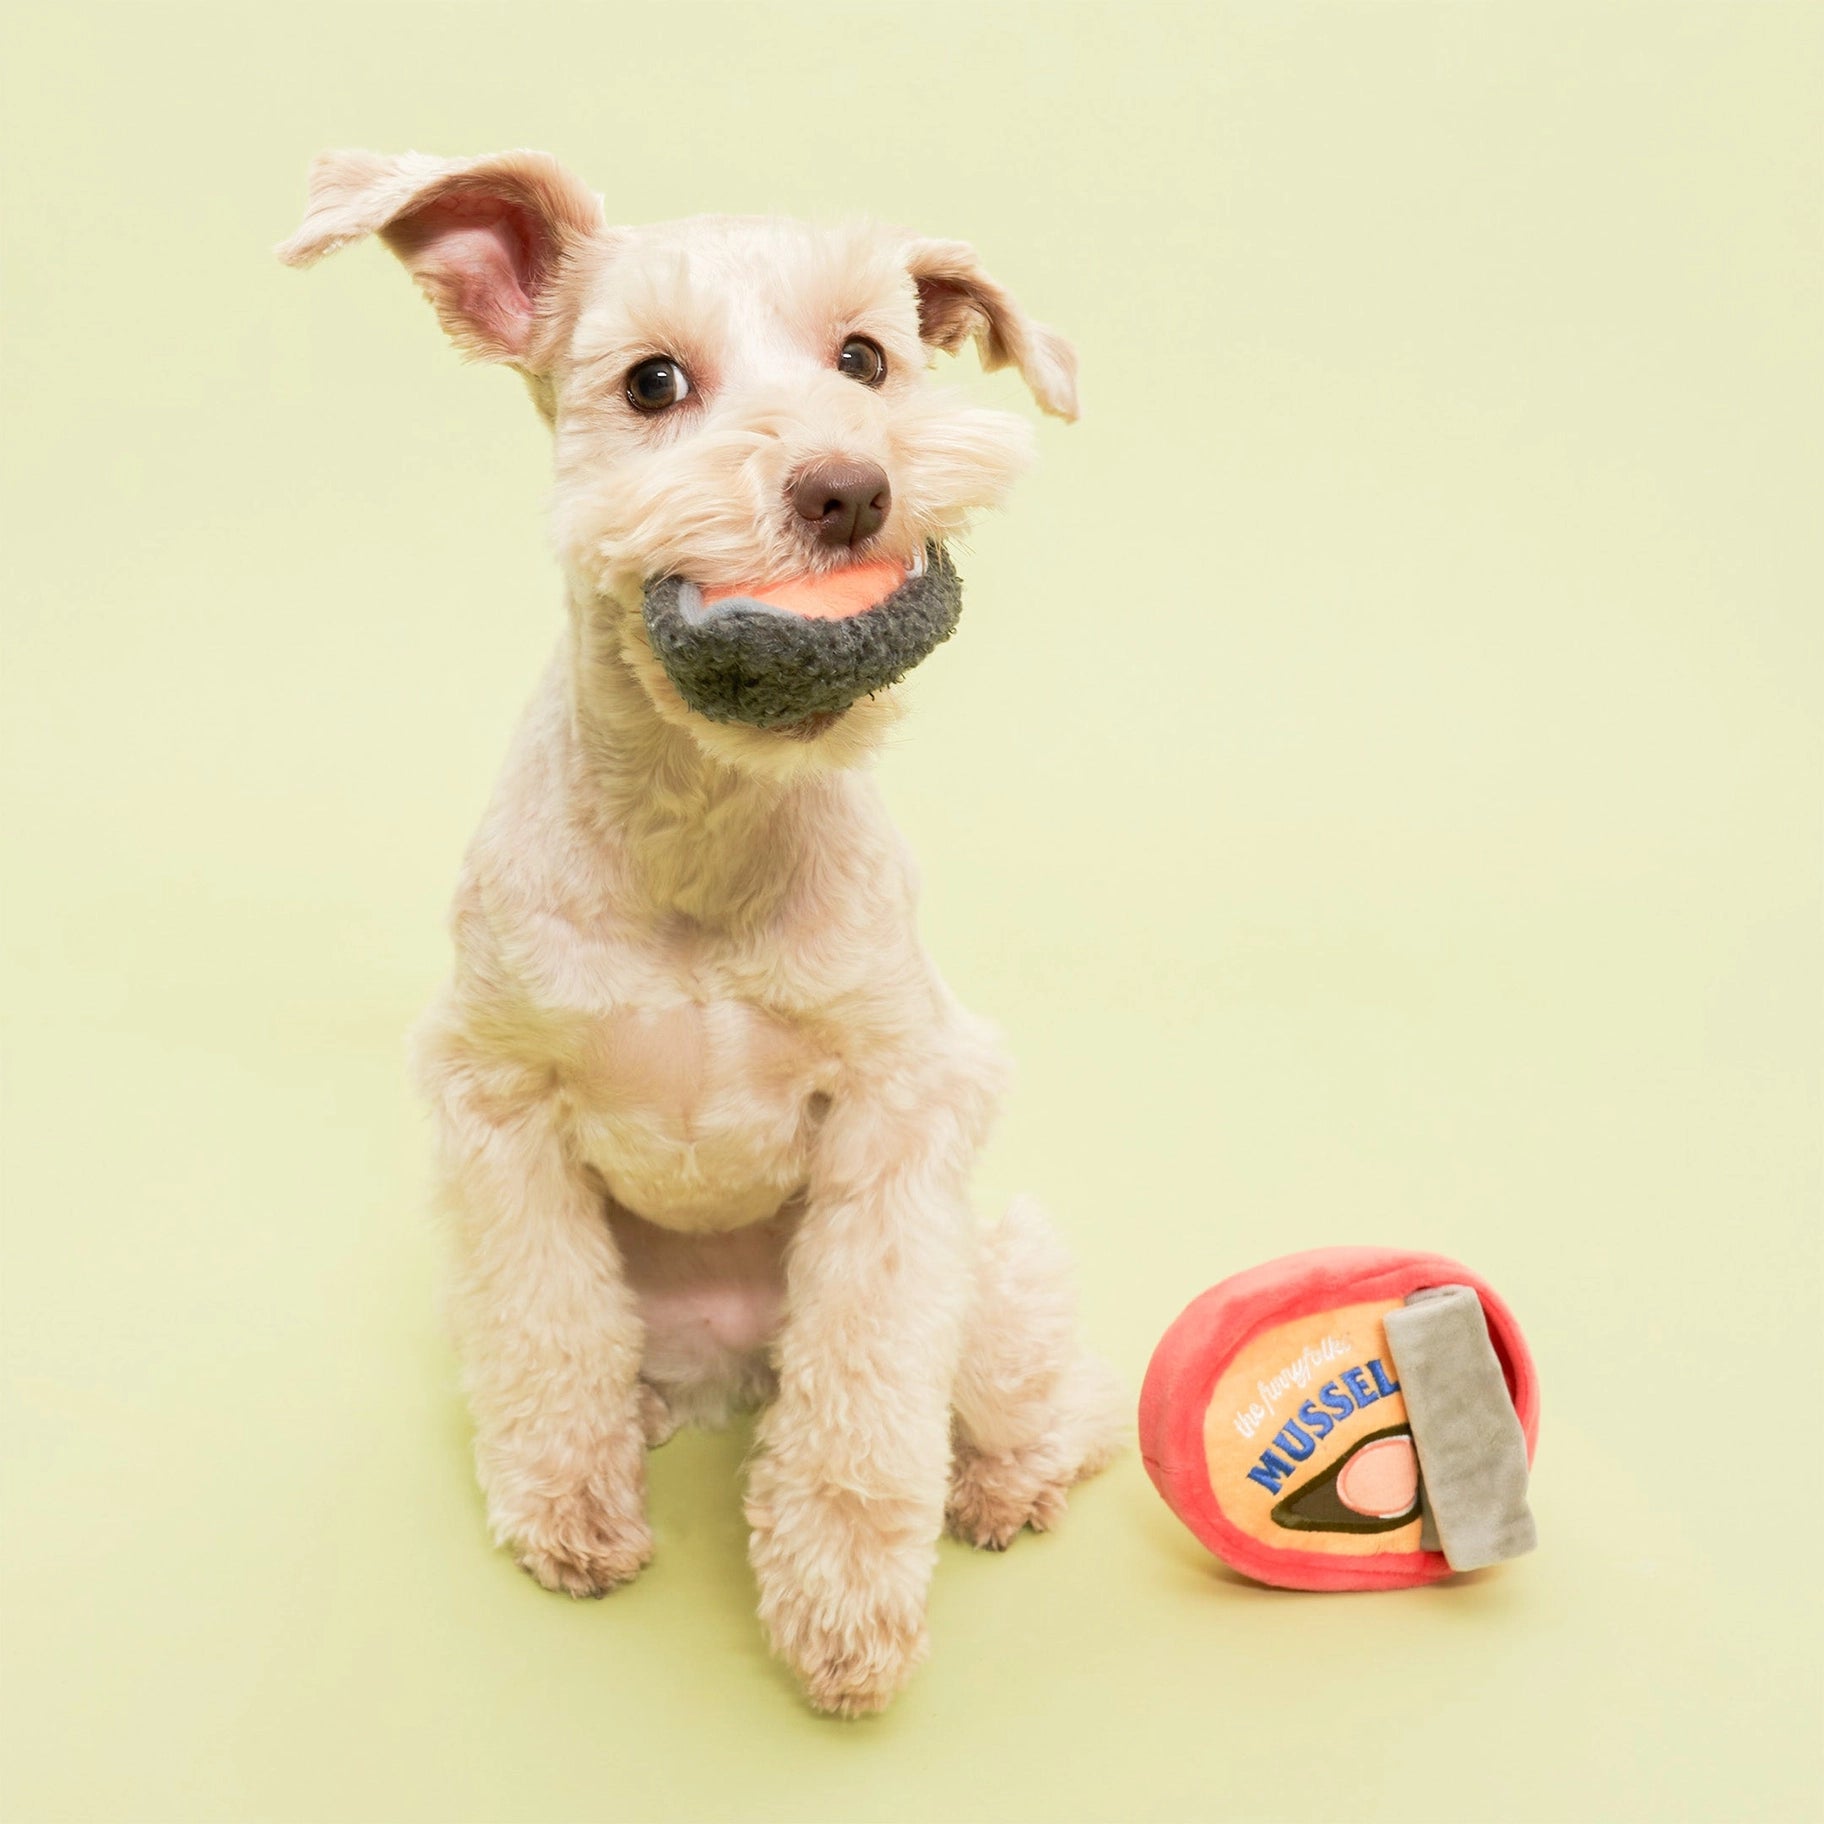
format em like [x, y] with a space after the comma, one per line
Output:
[862, 360]
[657, 384]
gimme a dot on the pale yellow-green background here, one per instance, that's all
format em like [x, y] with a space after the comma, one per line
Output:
[1377, 788]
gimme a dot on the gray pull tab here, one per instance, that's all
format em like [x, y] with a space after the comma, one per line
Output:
[1471, 1450]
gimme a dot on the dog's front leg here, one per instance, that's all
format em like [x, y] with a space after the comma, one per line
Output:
[846, 1498]
[551, 1341]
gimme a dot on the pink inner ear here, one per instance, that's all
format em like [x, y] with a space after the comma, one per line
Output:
[945, 311]
[483, 261]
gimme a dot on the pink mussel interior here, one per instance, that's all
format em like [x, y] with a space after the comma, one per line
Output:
[832, 595]
[1380, 1480]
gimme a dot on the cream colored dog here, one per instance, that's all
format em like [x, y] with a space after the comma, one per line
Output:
[707, 1111]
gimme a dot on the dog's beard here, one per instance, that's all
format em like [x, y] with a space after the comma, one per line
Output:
[770, 664]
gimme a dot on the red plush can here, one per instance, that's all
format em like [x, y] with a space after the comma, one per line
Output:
[1273, 1424]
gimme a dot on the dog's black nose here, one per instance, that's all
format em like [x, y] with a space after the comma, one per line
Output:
[843, 501]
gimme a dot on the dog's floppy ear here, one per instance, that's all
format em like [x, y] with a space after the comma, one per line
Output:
[484, 237]
[957, 300]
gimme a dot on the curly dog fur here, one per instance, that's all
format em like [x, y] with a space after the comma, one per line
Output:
[706, 1110]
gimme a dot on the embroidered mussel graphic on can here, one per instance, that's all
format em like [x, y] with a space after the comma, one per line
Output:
[1372, 1490]
[1350, 1418]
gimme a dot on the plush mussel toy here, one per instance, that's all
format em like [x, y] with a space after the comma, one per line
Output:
[1346, 1419]
[793, 654]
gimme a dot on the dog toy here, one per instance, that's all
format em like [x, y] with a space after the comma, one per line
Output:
[773, 657]
[1346, 1419]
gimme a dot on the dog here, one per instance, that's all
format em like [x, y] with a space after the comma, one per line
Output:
[705, 1110]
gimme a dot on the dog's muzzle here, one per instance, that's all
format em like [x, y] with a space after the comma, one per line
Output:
[739, 659]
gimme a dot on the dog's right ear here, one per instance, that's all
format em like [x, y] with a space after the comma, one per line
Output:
[486, 238]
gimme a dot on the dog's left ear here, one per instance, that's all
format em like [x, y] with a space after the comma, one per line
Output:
[486, 238]
[957, 300]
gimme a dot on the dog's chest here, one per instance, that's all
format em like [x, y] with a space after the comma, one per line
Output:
[699, 1112]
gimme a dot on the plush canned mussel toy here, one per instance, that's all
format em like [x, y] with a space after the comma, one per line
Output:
[1346, 1419]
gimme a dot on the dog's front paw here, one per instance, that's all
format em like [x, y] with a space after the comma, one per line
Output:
[583, 1555]
[582, 1536]
[842, 1597]
[994, 1498]
[852, 1645]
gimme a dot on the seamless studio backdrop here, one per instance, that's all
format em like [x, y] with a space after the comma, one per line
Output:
[1375, 787]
